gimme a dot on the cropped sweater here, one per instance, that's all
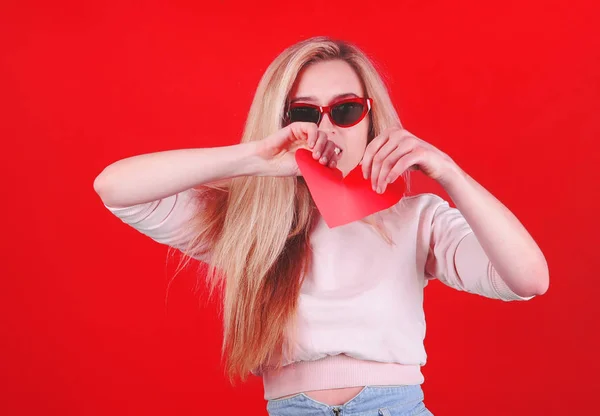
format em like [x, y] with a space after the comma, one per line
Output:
[360, 317]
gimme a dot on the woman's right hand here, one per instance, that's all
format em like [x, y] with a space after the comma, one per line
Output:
[279, 148]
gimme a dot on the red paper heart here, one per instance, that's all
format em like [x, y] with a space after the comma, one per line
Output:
[342, 200]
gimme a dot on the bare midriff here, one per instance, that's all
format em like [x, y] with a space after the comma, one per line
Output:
[332, 397]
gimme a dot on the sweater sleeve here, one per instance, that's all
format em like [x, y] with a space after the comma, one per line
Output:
[166, 221]
[457, 259]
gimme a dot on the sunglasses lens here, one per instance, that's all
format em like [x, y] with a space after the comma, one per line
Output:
[346, 114]
[307, 114]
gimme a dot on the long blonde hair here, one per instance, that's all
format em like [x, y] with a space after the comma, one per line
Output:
[257, 228]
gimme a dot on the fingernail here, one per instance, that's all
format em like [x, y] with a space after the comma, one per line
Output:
[378, 190]
[332, 164]
[317, 154]
[323, 160]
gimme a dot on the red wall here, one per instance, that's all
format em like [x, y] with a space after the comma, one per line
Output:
[510, 91]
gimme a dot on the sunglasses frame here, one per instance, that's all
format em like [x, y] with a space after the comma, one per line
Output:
[366, 102]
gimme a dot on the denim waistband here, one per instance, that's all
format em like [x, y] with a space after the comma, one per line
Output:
[372, 400]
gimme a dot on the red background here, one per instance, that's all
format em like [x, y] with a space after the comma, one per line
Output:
[510, 91]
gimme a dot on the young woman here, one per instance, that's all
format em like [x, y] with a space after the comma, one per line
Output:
[332, 319]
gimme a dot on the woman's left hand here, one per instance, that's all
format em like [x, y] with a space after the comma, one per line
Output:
[395, 150]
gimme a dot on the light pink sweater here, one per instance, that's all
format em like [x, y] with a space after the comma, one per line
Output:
[360, 315]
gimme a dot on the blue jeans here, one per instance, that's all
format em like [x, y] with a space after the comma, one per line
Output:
[371, 401]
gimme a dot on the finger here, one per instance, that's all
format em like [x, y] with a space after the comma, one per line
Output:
[303, 132]
[380, 159]
[327, 152]
[390, 161]
[320, 144]
[371, 150]
[312, 134]
[407, 162]
[337, 155]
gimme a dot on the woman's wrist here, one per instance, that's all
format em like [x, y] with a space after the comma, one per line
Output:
[252, 162]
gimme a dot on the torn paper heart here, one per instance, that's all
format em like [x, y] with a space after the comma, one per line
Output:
[342, 200]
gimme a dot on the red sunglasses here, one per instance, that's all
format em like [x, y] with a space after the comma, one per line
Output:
[344, 113]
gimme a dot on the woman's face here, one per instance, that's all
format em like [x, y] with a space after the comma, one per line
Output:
[324, 83]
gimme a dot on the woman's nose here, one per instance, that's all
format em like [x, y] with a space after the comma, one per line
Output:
[325, 124]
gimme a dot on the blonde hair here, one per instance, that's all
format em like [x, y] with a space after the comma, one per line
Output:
[257, 229]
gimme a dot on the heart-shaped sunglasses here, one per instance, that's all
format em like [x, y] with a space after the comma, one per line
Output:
[344, 113]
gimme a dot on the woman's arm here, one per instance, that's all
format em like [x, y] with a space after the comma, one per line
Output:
[154, 193]
[516, 257]
[510, 248]
[150, 177]
[153, 176]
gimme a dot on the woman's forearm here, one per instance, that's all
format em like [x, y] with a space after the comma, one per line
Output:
[149, 177]
[510, 248]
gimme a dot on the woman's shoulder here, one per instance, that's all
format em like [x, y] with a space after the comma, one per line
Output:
[419, 203]
[413, 210]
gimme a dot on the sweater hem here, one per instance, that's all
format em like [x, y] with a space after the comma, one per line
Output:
[335, 372]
